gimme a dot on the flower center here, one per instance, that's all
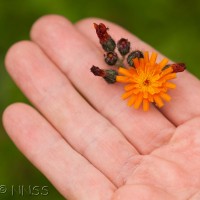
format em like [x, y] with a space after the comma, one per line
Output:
[146, 82]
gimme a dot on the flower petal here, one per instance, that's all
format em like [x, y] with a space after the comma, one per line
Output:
[124, 72]
[170, 85]
[153, 58]
[145, 105]
[138, 101]
[131, 101]
[158, 101]
[163, 62]
[129, 87]
[127, 94]
[122, 79]
[165, 96]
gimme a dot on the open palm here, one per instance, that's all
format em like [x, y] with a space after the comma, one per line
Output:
[80, 134]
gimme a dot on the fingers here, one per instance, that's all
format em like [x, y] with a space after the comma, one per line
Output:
[84, 129]
[185, 98]
[74, 54]
[70, 173]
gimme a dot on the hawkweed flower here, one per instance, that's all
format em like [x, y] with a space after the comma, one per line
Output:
[147, 82]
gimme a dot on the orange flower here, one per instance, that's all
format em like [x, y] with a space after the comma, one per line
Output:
[147, 82]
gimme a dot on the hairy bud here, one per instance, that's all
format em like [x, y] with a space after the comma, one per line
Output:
[109, 75]
[177, 67]
[111, 58]
[132, 55]
[106, 41]
[123, 46]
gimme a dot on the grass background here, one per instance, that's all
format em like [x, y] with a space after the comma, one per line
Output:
[171, 26]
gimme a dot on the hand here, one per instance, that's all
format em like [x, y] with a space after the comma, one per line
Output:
[83, 137]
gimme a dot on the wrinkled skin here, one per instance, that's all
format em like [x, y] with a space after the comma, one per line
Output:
[83, 137]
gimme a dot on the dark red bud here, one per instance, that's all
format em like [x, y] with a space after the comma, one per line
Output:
[109, 75]
[178, 67]
[101, 31]
[97, 71]
[111, 58]
[132, 55]
[123, 46]
[106, 41]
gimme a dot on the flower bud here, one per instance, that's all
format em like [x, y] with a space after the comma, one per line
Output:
[111, 58]
[106, 41]
[109, 75]
[109, 45]
[101, 31]
[177, 67]
[132, 55]
[123, 46]
[97, 71]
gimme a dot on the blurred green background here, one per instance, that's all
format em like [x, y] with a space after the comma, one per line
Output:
[171, 26]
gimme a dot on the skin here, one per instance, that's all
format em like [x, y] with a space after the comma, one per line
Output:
[83, 137]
